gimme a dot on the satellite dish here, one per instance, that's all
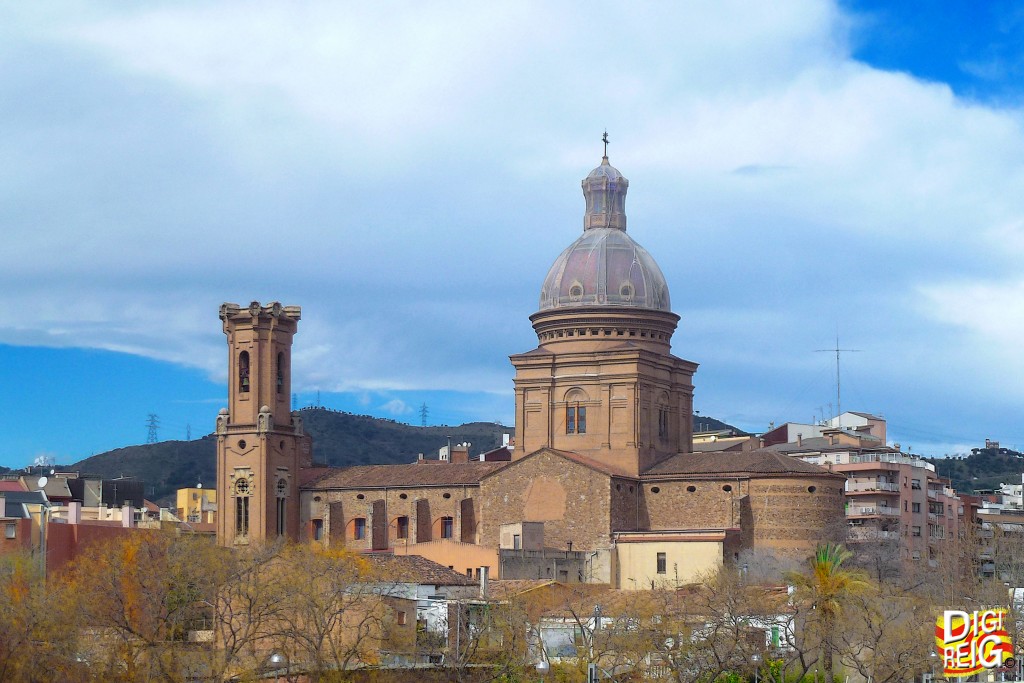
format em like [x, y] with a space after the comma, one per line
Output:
[199, 485]
[42, 482]
[51, 473]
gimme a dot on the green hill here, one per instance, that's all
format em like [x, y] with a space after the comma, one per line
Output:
[984, 468]
[339, 439]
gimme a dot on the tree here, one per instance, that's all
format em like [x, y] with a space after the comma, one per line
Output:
[335, 611]
[826, 588]
[886, 634]
[38, 629]
[141, 594]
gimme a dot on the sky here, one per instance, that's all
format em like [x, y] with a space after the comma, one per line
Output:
[802, 171]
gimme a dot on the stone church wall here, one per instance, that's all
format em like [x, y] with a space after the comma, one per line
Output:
[792, 515]
[572, 500]
[424, 507]
[693, 504]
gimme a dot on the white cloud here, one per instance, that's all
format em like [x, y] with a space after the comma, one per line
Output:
[396, 407]
[407, 172]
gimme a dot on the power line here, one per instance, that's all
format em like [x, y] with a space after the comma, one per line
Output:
[153, 423]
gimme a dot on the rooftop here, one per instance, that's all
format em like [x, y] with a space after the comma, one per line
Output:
[414, 475]
[416, 569]
[764, 462]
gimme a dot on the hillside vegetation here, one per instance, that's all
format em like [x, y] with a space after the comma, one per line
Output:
[984, 468]
[339, 439]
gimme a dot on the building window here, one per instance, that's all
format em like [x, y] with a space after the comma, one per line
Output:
[281, 510]
[662, 423]
[402, 528]
[575, 420]
[915, 507]
[915, 484]
[242, 516]
[915, 531]
[359, 528]
[318, 529]
[401, 618]
[243, 372]
[11, 530]
[517, 542]
[447, 527]
[662, 563]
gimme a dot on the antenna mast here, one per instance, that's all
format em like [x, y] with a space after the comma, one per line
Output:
[839, 391]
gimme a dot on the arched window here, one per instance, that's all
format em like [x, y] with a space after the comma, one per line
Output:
[243, 372]
[280, 372]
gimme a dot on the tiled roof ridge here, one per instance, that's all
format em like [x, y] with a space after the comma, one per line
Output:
[409, 475]
[760, 462]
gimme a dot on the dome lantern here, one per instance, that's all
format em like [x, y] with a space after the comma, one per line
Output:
[605, 191]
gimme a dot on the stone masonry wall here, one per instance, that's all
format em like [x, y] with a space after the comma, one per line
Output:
[693, 504]
[793, 515]
[572, 500]
[397, 502]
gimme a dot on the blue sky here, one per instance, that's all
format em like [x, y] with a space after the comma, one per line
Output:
[407, 174]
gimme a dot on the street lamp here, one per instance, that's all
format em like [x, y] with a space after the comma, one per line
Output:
[756, 659]
[542, 668]
[275, 663]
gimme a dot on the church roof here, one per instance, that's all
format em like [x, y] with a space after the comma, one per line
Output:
[605, 266]
[577, 458]
[413, 475]
[763, 462]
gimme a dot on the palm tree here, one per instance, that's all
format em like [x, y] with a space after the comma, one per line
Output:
[828, 585]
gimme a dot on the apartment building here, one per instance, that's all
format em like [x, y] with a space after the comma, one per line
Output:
[891, 496]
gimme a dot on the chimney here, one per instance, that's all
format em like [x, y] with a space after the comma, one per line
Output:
[799, 439]
[127, 517]
[484, 587]
[74, 512]
[460, 453]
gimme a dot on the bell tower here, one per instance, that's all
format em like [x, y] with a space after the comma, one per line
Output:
[260, 443]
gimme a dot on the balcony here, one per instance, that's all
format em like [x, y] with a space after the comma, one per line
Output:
[872, 511]
[934, 495]
[870, 534]
[872, 487]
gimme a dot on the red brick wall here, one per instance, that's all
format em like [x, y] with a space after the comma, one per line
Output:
[64, 542]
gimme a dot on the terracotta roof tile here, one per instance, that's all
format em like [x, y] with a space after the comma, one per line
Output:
[416, 569]
[413, 475]
[733, 463]
[576, 458]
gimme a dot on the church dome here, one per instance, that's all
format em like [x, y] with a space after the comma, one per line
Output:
[605, 266]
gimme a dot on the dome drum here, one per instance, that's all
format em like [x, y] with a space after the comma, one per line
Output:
[600, 325]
